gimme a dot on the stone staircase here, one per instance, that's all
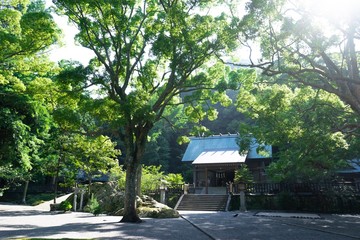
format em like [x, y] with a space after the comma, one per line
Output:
[202, 202]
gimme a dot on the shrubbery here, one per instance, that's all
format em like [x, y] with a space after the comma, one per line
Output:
[93, 206]
[65, 206]
[151, 178]
[328, 202]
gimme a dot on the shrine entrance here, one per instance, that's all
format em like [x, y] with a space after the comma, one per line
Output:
[210, 175]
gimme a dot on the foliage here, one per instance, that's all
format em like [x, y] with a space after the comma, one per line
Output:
[151, 178]
[302, 44]
[187, 173]
[157, 149]
[229, 119]
[305, 127]
[36, 199]
[117, 174]
[93, 206]
[75, 142]
[26, 31]
[313, 128]
[147, 54]
[286, 201]
[92, 155]
[325, 203]
[65, 206]
[243, 175]
[174, 179]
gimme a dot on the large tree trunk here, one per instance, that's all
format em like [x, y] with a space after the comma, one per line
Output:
[135, 147]
[130, 214]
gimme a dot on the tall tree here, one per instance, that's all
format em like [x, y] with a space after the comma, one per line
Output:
[307, 44]
[74, 139]
[304, 44]
[305, 127]
[147, 54]
[26, 30]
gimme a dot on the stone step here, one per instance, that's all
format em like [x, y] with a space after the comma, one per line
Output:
[202, 202]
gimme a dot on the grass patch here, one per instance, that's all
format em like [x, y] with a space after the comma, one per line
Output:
[32, 199]
[36, 199]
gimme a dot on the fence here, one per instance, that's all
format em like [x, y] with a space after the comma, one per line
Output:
[299, 188]
[173, 189]
[308, 197]
[172, 193]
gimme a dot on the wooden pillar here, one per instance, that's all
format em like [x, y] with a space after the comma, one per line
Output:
[206, 181]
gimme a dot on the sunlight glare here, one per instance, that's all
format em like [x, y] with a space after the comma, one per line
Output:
[334, 9]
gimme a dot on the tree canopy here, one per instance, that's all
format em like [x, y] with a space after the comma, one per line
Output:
[159, 64]
[148, 53]
[306, 103]
[305, 127]
[308, 46]
[26, 30]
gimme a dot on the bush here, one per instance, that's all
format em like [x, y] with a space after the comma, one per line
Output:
[235, 203]
[287, 201]
[172, 199]
[65, 206]
[243, 175]
[150, 179]
[260, 202]
[328, 202]
[174, 179]
[93, 206]
[117, 174]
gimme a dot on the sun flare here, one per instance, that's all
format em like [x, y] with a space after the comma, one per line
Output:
[334, 8]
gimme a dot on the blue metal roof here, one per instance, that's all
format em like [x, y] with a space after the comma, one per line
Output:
[227, 142]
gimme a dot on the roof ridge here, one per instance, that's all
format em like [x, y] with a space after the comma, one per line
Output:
[220, 149]
[215, 136]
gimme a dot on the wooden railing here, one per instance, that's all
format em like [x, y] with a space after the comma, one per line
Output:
[301, 188]
[174, 188]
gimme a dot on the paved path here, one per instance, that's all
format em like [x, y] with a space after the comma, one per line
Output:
[223, 225]
[45, 206]
[24, 221]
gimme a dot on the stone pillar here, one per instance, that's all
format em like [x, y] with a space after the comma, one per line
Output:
[242, 201]
[75, 199]
[82, 192]
[186, 188]
[162, 196]
[162, 193]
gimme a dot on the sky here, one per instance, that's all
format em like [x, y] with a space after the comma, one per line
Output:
[69, 49]
[72, 51]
